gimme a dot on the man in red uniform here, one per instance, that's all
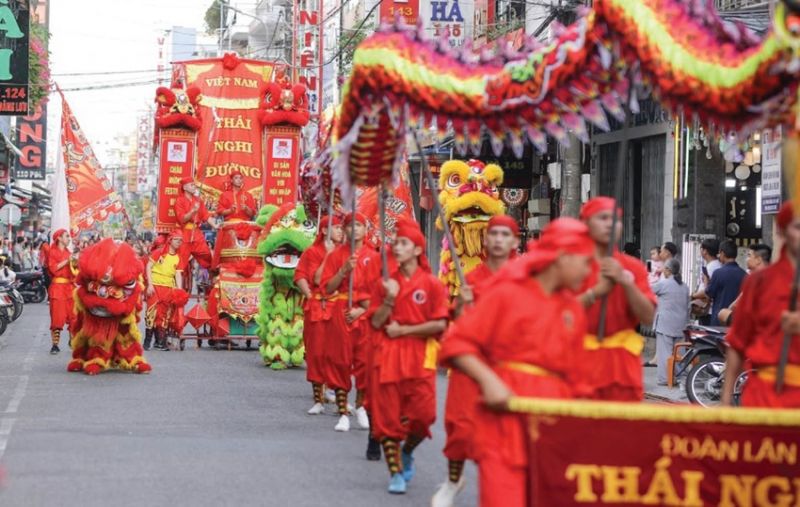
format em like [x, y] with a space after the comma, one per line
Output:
[164, 276]
[502, 241]
[316, 311]
[345, 343]
[524, 337]
[409, 313]
[236, 204]
[191, 211]
[623, 281]
[761, 321]
[62, 306]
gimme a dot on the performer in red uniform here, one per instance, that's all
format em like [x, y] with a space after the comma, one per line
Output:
[164, 277]
[502, 241]
[623, 280]
[62, 305]
[317, 310]
[345, 344]
[409, 313]
[760, 323]
[191, 212]
[236, 204]
[523, 337]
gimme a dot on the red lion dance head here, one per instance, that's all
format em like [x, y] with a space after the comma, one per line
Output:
[107, 301]
[284, 103]
[178, 108]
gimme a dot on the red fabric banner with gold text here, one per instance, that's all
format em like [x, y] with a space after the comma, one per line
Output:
[177, 159]
[230, 89]
[90, 194]
[595, 453]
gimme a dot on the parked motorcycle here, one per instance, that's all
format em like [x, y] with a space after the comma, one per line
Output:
[31, 285]
[6, 311]
[18, 303]
[704, 365]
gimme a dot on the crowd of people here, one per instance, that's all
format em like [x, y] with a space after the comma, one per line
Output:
[558, 321]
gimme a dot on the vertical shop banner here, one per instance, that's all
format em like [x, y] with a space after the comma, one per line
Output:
[32, 129]
[176, 161]
[14, 40]
[603, 453]
[770, 171]
[282, 145]
[450, 18]
[408, 10]
[230, 136]
[32, 142]
[308, 32]
[89, 192]
[143, 143]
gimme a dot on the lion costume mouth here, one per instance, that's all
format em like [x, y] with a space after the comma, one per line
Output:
[285, 257]
[99, 311]
[473, 214]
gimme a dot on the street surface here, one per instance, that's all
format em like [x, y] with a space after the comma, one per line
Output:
[204, 428]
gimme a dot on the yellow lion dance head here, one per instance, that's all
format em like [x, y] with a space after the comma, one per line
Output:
[469, 198]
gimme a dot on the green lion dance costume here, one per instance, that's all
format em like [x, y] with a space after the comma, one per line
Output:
[287, 234]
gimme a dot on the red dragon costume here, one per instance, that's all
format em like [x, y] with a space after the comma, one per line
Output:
[108, 299]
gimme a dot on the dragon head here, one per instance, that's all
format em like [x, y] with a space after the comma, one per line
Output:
[469, 198]
[286, 235]
[108, 279]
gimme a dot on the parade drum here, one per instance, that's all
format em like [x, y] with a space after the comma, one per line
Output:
[237, 240]
[239, 296]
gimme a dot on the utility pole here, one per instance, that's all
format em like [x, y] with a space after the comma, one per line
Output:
[570, 204]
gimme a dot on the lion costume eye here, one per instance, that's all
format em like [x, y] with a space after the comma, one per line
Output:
[454, 180]
[131, 284]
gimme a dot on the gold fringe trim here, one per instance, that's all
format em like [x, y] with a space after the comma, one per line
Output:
[646, 412]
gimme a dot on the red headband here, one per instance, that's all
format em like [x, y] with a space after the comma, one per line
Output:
[360, 218]
[407, 228]
[176, 233]
[785, 215]
[598, 205]
[561, 236]
[322, 228]
[235, 172]
[58, 234]
[504, 221]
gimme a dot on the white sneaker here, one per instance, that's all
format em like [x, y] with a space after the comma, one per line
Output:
[317, 409]
[343, 424]
[361, 418]
[330, 396]
[447, 492]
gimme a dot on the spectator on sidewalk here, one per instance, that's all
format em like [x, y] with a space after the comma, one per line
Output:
[758, 258]
[654, 265]
[725, 283]
[18, 253]
[672, 315]
[7, 275]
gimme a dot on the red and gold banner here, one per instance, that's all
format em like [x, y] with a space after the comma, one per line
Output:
[398, 204]
[282, 145]
[595, 453]
[90, 195]
[408, 10]
[230, 137]
[177, 161]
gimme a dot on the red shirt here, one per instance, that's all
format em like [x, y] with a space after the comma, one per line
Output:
[479, 279]
[619, 315]
[184, 204]
[308, 264]
[238, 199]
[422, 298]
[56, 256]
[44, 252]
[756, 330]
[367, 271]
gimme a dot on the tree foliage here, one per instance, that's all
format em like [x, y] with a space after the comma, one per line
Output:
[349, 41]
[212, 17]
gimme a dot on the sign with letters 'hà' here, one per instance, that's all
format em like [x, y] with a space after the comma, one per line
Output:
[14, 33]
[586, 453]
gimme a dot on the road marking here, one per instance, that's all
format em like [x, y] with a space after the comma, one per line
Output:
[6, 424]
[19, 393]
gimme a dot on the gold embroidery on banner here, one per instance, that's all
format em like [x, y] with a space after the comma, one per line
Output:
[226, 103]
[193, 71]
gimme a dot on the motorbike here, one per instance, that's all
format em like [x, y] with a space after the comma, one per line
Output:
[17, 301]
[6, 311]
[704, 365]
[31, 285]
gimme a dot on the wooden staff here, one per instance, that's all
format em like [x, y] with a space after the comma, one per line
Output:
[439, 211]
[352, 250]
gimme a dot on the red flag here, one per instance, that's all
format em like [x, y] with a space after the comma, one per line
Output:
[90, 195]
[398, 204]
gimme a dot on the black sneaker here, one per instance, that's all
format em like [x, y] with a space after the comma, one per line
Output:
[54, 349]
[146, 344]
[373, 450]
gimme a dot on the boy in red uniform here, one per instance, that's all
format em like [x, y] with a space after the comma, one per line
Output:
[317, 310]
[409, 313]
[62, 305]
[524, 337]
[191, 211]
[502, 241]
[236, 204]
[623, 280]
[761, 320]
[345, 343]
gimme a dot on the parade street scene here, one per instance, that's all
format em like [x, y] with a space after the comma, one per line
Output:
[378, 253]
